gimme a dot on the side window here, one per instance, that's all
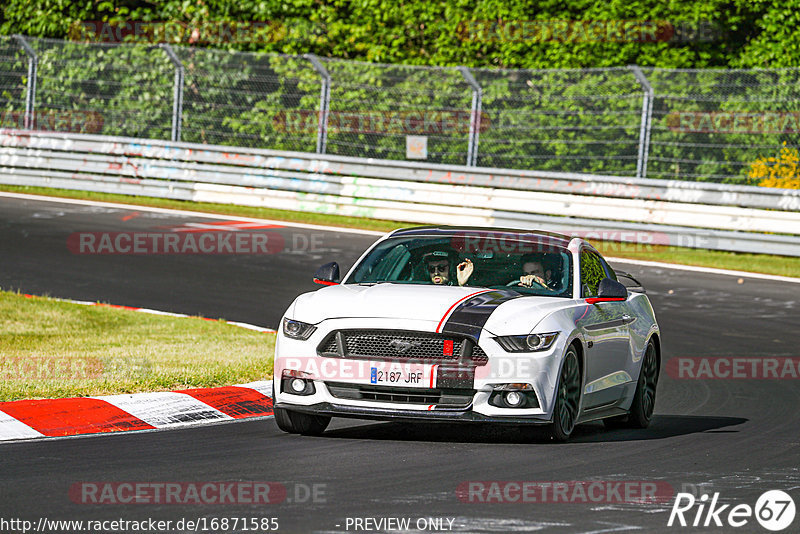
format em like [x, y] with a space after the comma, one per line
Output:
[609, 271]
[592, 272]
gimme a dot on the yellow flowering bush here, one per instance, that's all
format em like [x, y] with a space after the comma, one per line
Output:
[781, 171]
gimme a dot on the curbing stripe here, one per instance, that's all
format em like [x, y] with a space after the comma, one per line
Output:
[236, 402]
[69, 417]
[11, 428]
[262, 386]
[164, 409]
[49, 418]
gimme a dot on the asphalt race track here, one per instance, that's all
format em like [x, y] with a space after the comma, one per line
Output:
[738, 437]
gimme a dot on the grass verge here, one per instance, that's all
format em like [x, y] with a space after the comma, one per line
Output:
[757, 263]
[54, 349]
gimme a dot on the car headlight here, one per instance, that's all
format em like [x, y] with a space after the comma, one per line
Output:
[527, 343]
[297, 329]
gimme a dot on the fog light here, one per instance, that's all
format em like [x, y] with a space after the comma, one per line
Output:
[298, 385]
[514, 398]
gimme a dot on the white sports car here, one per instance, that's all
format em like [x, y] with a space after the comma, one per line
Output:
[469, 324]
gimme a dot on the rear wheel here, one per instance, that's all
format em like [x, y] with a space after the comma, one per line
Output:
[568, 397]
[301, 423]
[644, 400]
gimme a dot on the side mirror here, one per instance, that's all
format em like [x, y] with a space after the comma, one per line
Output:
[609, 291]
[328, 274]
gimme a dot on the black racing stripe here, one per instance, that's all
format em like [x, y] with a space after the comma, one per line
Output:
[455, 377]
[470, 316]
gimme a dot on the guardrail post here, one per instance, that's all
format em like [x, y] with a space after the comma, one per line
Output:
[646, 121]
[474, 117]
[177, 92]
[30, 95]
[324, 102]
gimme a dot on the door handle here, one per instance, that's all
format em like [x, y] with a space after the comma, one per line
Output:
[627, 319]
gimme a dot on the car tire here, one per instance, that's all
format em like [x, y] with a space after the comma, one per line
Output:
[300, 423]
[568, 397]
[644, 400]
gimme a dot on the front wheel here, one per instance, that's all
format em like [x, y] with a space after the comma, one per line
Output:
[568, 397]
[300, 423]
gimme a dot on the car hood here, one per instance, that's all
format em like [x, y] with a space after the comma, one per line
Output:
[432, 304]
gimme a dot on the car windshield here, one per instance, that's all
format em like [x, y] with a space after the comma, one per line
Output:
[529, 267]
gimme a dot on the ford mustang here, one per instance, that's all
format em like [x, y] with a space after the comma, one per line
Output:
[470, 324]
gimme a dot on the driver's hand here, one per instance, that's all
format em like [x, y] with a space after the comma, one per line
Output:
[464, 271]
[529, 279]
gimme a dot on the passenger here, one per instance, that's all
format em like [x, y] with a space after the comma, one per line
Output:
[439, 266]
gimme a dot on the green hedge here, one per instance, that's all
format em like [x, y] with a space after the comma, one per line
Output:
[708, 33]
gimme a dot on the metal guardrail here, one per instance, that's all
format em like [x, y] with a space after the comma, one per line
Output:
[698, 215]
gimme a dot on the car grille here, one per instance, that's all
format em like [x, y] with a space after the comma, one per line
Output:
[399, 345]
[447, 398]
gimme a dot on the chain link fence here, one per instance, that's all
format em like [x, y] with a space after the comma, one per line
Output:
[714, 125]
[561, 120]
[697, 125]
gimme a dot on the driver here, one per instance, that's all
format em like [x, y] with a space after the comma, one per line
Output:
[534, 272]
[438, 264]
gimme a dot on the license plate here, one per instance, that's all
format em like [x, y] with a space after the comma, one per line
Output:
[401, 375]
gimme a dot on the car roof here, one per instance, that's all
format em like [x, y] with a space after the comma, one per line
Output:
[538, 236]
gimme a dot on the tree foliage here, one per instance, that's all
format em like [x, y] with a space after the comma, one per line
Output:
[709, 33]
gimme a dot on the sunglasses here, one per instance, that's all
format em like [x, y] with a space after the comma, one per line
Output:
[438, 268]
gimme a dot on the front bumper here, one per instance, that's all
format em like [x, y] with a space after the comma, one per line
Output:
[398, 414]
[538, 369]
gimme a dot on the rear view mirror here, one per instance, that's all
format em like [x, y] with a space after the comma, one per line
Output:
[328, 274]
[609, 291]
